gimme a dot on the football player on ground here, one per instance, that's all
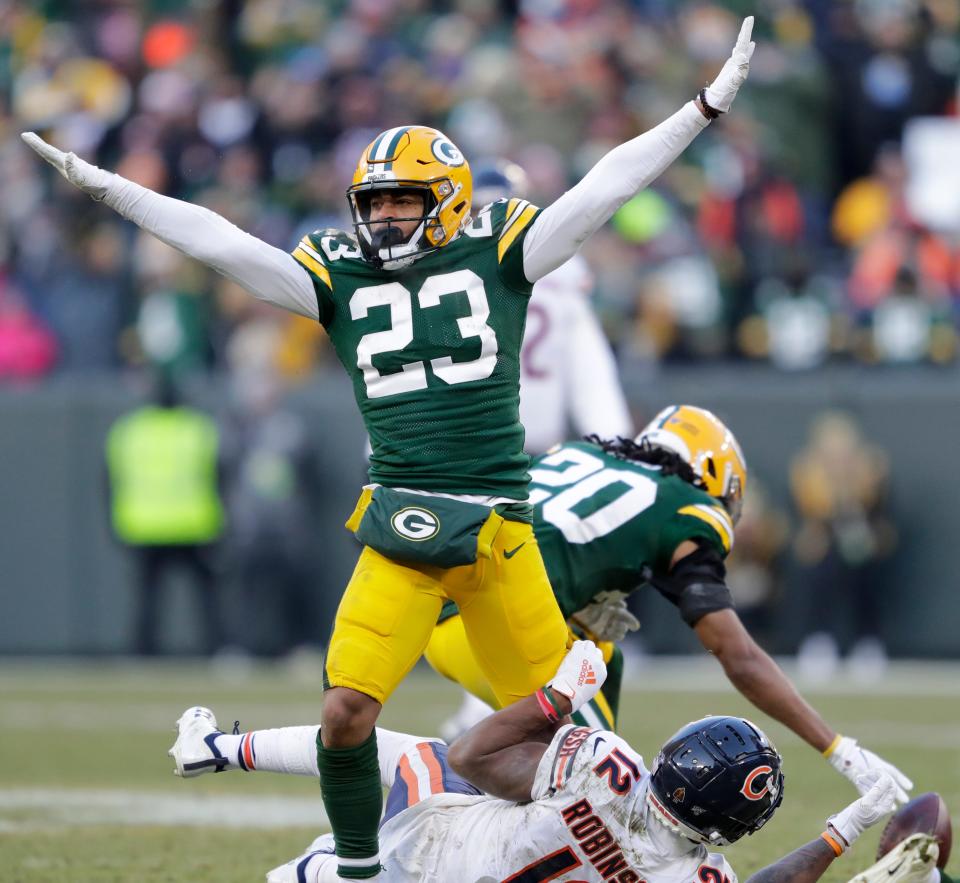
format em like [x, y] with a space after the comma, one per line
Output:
[612, 516]
[527, 796]
[425, 308]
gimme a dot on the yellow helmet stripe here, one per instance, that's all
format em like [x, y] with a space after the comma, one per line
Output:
[305, 255]
[716, 518]
[514, 229]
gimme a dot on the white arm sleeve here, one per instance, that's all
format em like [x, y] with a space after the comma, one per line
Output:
[269, 273]
[597, 404]
[561, 228]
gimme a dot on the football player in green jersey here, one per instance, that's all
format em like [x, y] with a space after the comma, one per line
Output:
[425, 308]
[612, 516]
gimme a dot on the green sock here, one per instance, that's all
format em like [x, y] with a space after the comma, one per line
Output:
[353, 797]
[944, 878]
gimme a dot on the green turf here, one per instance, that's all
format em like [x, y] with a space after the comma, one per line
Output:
[107, 728]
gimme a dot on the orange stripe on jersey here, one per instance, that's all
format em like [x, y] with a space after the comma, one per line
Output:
[247, 748]
[433, 767]
[410, 780]
[561, 766]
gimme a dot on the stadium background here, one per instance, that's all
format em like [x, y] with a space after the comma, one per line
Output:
[796, 260]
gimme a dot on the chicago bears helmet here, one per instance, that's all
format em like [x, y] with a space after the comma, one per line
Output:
[419, 159]
[716, 780]
[701, 439]
[495, 179]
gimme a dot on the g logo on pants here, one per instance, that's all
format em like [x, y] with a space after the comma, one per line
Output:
[415, 524]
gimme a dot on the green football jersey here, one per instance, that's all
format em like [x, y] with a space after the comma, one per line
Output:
[433, 351]
[604, 523]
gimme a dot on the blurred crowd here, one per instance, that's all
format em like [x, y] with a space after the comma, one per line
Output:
[802, 228]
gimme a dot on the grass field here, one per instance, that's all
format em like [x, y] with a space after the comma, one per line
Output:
[87, 794]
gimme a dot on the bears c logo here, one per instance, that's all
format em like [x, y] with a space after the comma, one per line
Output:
[447, 152]
[415, 524]
[748, 790]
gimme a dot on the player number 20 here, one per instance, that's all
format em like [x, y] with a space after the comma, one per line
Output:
[579, 510]
[413, 375]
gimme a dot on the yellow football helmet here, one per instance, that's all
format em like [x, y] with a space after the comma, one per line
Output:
[702, 440]
[420, 159]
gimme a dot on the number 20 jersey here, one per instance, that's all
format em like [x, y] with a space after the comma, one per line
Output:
[588, 821]
[604, 523]
[433, 350]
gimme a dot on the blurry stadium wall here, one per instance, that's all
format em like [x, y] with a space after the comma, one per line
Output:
[64, 579]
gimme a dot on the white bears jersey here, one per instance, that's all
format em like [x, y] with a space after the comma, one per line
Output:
[588, 823]
[567, 371]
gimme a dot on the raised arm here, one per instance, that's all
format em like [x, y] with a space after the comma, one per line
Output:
[561, 228]
[501, 754]
[268, 273]
[807, 864]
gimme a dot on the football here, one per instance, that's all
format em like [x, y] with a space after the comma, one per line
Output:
[926, 814]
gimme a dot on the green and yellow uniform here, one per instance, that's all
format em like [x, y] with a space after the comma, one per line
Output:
[433, 352]
[603, 523]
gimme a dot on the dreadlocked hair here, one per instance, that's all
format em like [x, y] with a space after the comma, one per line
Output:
[669, 462]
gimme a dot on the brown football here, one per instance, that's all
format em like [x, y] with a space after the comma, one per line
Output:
[926, 814]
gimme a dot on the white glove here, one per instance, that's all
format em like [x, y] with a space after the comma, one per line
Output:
[852, 761]
[581, 674]
[607, 618]
[89, 178]
[733, 75]
[878, 789]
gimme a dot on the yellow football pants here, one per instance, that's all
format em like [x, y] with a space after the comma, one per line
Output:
[449, 655]
[513, 625]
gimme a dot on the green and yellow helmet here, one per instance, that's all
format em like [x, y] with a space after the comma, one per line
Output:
[701, 439]
[412, 158]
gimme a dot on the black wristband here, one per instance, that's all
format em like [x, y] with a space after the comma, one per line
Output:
[707, 109]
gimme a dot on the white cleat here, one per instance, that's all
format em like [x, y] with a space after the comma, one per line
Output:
[911, 861]
[194, 752]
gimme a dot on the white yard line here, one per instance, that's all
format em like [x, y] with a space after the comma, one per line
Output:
[25, 809]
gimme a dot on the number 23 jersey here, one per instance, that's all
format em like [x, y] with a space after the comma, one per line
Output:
[433, 350]
[588, 822]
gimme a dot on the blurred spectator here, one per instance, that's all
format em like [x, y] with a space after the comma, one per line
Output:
[27, 348]
[797, 324]
[258, 109]
[839, 487]
[271, 483]
[754, 566]
[162, 465]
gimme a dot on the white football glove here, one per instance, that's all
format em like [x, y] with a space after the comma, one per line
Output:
[607, 618]
[912, 860]
[879, 799]
[581, 674]
[90, 179]
[733, 75]
[852, 761]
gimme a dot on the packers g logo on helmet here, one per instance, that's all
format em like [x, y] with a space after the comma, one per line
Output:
[447, 152]
[701, 439]
[415, 159]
